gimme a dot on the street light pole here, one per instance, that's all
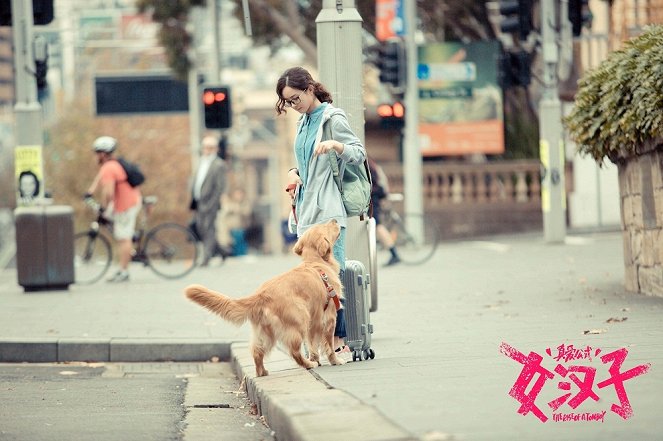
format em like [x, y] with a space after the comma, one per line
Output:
[27, 110]
[551, 144]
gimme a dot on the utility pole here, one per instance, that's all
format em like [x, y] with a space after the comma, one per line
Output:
[215, 50]
[551, 144]
[341, 70]
[27, 110]
[340, 58]
[412, 162]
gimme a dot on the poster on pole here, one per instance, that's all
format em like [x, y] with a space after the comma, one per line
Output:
[389, 19]
[460, 101]
[28, 168]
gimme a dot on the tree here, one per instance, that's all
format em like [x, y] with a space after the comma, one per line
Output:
[272, 20]
[173, 16]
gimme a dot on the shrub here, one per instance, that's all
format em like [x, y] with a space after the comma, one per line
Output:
[619, 104]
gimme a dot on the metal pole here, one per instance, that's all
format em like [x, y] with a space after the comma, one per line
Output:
[215, 63]
[412, 162]
[551, 143]
[196, 17]
[27, 110]
[340, 58]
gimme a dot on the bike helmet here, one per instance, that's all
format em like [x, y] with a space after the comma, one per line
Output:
[105, 144]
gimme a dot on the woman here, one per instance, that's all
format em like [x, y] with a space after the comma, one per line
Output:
[311, 184]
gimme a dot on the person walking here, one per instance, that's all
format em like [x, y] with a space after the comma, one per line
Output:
[118, 201]
[311, 184]
[209, 184]
[379, 191]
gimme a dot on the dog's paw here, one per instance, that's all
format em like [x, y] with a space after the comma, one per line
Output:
[336, 361]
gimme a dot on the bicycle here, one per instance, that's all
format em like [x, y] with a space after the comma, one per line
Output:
[411, 249]
[169, 249]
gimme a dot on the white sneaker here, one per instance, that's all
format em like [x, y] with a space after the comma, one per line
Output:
[120, 276]
[344, 353]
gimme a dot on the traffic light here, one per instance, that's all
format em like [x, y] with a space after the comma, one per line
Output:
[41, 61]
[392, 116]
[516, 17]
[579, 15]
[391, 62]
[218, 112]
[42, 12]
[514, 69]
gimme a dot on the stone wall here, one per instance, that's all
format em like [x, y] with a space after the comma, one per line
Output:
[641, 190]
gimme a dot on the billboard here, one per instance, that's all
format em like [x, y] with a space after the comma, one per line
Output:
[460, 100]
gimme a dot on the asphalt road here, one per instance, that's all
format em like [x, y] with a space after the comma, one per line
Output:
[125, 401]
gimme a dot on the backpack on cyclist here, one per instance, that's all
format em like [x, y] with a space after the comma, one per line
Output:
[135, 176]
[354, 185]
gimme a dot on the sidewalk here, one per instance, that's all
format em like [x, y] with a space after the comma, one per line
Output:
[438, 372]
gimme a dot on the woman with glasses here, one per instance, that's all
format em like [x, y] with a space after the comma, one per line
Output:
[311, 184]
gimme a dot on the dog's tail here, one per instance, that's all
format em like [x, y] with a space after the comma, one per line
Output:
[236, 311]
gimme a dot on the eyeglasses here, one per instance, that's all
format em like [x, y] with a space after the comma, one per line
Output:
[296, 100]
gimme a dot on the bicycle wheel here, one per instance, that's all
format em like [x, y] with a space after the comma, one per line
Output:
[411, 250]
[171, 250]
[92, 257]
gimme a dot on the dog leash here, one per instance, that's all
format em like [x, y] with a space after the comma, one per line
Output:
[331, 293]
[289, 188]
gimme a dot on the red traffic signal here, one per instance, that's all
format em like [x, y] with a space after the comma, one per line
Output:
[210, 97]
[392, 115]
[218, 112]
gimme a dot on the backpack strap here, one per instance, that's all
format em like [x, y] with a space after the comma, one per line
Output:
[333, 161]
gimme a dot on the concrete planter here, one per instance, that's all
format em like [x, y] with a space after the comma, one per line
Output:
[641, 191]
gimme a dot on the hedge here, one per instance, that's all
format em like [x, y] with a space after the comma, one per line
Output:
[619, 104]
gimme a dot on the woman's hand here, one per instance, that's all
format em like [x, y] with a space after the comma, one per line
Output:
[327, 146]
[293, 181]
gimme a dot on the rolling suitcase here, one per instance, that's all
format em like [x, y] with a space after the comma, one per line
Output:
[360, 244]
[356, 283]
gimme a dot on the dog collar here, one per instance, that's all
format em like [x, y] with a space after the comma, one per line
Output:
[331, 293]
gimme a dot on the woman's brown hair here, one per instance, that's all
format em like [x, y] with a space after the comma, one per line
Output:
[299, 78]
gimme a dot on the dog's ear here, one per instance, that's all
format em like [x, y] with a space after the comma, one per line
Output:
[298, 248]
[324, 249]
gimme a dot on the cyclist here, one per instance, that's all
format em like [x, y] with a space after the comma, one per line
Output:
[119, 202]
[379, 191]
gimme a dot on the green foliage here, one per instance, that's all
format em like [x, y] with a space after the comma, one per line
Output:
[173, 35]
[619, 104]
[453, 20]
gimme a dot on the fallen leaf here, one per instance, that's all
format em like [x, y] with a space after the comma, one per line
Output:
[595, 331]
[616, 319]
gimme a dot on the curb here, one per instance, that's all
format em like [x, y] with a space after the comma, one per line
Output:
[58, 350]
[298, 406]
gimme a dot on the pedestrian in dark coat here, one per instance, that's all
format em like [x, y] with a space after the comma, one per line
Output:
[209, 183]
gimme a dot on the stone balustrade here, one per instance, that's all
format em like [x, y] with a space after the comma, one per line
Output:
[470, 183]
[469, 199]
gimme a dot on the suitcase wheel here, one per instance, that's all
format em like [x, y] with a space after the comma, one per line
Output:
[363, 355]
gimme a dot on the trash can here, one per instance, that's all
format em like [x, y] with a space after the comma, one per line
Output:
[45, 247]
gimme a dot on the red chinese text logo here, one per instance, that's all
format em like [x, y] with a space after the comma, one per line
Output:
[577, 382]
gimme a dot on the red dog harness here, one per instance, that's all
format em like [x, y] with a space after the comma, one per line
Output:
[331, 293]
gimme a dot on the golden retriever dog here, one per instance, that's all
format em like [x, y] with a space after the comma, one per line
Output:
[293, 308]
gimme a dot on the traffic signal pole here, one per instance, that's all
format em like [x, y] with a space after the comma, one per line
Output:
[551, 144]
[29, 135]
[412, 161]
